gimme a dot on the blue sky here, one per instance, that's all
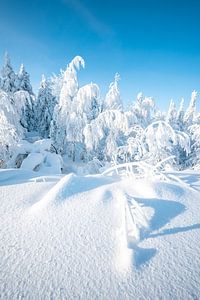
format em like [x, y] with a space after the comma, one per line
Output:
[153, 44]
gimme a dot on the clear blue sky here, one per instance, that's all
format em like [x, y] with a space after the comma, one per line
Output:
[154, 45]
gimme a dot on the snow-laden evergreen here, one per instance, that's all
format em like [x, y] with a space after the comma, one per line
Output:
[190, 112]
[24, 81]
[8, 76]
[180, 116]
[45, 108]
[28, 115]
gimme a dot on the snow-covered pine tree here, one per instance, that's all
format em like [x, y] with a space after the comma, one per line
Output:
[58, 131]
[113, 98]
[28, 115]
[180, 116]
[171, 116]
[66, 105]
[194, 158]
[23, 81]
[190, 112]
[44, 108]
[56, 82]
[8, 76]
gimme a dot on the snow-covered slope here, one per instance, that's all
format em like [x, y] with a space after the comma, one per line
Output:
[98, 237]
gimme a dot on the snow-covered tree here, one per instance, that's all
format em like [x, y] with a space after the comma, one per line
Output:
[45, 107]
[171, 116]
[11, 111]
[74, 136]
[58, 131]
[28, 116]
[161, 141]
[8, 139]
[66, 104]
[133, 148]
[105, 133]
[70, 83]
[143, 109]
[194, 158]
[180, 116]
[190, 112]
[113, 98]
[88, 101]
[8, 76]
[23, 81]
[56, 82]
[6, 106]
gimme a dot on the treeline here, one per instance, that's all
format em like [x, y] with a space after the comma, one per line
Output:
[84, 126]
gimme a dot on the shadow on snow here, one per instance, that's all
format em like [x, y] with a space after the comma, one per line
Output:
[164, 212]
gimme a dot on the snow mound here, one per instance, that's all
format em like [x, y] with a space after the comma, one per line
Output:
[71, 185]
[166, 190]
[32, 161]
[37, 157]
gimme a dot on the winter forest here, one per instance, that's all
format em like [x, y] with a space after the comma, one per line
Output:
[65, 123]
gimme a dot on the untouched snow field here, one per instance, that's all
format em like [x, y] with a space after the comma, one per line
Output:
[99, 237]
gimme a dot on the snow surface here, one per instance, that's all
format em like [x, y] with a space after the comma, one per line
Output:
[99, 237]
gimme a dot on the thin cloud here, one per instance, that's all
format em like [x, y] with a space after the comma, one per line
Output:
[95, 24]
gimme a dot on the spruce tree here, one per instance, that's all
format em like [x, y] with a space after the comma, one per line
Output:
[24, 81]
[45, 107]
[8, 76]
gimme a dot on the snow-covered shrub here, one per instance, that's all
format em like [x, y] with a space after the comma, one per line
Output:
[36, 156]
[133, 148]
